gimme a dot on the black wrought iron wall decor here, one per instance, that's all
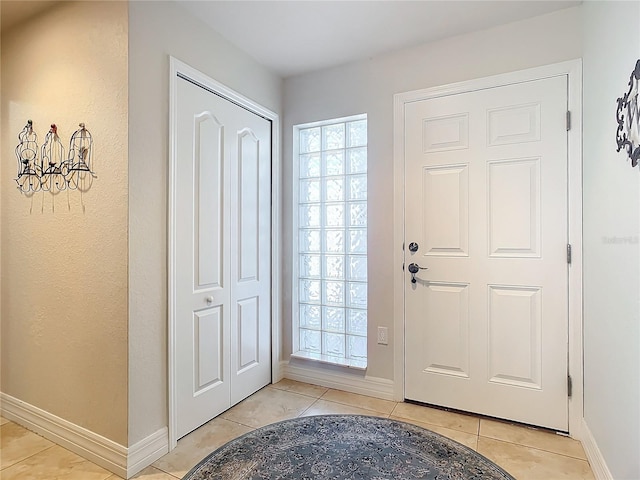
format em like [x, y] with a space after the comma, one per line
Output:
[52, 171]
[628, 117]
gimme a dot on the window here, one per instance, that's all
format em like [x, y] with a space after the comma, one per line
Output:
[330, 275]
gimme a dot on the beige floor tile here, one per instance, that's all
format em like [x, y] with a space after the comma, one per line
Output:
[287, 385]
[324, 407]
[441, 418]
[468, 439]
[18, 443]
[361, 401]
[198, 444]
[269, 405]
[531, 437]
[151, 473]
[55, 462]
[3, 421]
[526, 463]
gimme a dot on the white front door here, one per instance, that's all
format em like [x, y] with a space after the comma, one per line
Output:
[222, 254]
[486, 325]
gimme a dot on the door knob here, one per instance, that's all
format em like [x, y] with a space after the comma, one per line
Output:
[413, 269]
[209, 300]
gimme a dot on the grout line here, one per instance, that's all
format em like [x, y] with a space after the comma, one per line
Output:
[427, 425]
[295, 393]
[163, 471]
[411, 420]
[535, 448]
[306, 409]
[168, 473]
[32, 455]
[240, 423]
[360, 406]
[377, 412]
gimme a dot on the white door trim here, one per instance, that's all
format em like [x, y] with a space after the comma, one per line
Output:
[178, 67]
[573, 70]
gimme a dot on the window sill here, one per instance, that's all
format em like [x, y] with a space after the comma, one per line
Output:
[328, 359]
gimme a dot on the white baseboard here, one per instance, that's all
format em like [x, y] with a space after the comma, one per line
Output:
[146, 451]
[354, 383]
[124, 462]
[96, 448]
[594, 456]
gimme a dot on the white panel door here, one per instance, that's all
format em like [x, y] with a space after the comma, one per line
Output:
[486, 325]
[250, 257]
[222, 244]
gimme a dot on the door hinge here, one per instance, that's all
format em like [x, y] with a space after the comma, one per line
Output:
[568, 120]
[569, 386]
[569, 253]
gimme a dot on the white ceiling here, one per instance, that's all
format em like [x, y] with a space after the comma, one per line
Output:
[292, 37]
[295, 37]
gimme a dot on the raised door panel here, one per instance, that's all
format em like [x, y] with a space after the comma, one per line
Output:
[514, 208]
[449, 132]
[208, 353]
[248, 205]
[248, 339]
[208, 192]
[513, 124]
[445, 202]
[445, 332]
[515, 336]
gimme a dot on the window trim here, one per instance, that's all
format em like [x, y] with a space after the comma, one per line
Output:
[295, 271]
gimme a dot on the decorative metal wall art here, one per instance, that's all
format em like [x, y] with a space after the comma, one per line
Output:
[628, 117]
[52, 171]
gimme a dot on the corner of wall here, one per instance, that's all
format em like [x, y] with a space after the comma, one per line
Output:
[594, 456]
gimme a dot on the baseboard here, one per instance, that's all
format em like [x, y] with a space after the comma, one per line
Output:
[594, 456]
[96, 448]
[354, 383]
[124, 462]
[146, 451]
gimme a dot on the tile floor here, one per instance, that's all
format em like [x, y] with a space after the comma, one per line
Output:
[525, 453]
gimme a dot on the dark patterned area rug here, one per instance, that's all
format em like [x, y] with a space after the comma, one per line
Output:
[344, 447]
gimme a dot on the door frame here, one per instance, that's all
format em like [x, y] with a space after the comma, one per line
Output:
[180, 68]
[573, 70]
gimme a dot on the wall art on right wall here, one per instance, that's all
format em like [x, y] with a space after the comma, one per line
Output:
[628, 117]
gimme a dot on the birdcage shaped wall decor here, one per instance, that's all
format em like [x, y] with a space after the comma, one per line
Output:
[28, 167]
[52, 170]
[52, 161]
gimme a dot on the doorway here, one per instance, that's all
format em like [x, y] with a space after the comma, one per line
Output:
[489, 173]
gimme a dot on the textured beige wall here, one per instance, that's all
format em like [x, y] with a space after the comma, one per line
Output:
[156, 31]
[64, 258]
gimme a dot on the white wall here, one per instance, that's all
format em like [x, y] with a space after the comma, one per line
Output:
[157, 30]
[611, 241]
[64, 258]
[368, 87]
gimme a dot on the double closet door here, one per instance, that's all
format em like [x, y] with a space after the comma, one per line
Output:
[222, 266]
